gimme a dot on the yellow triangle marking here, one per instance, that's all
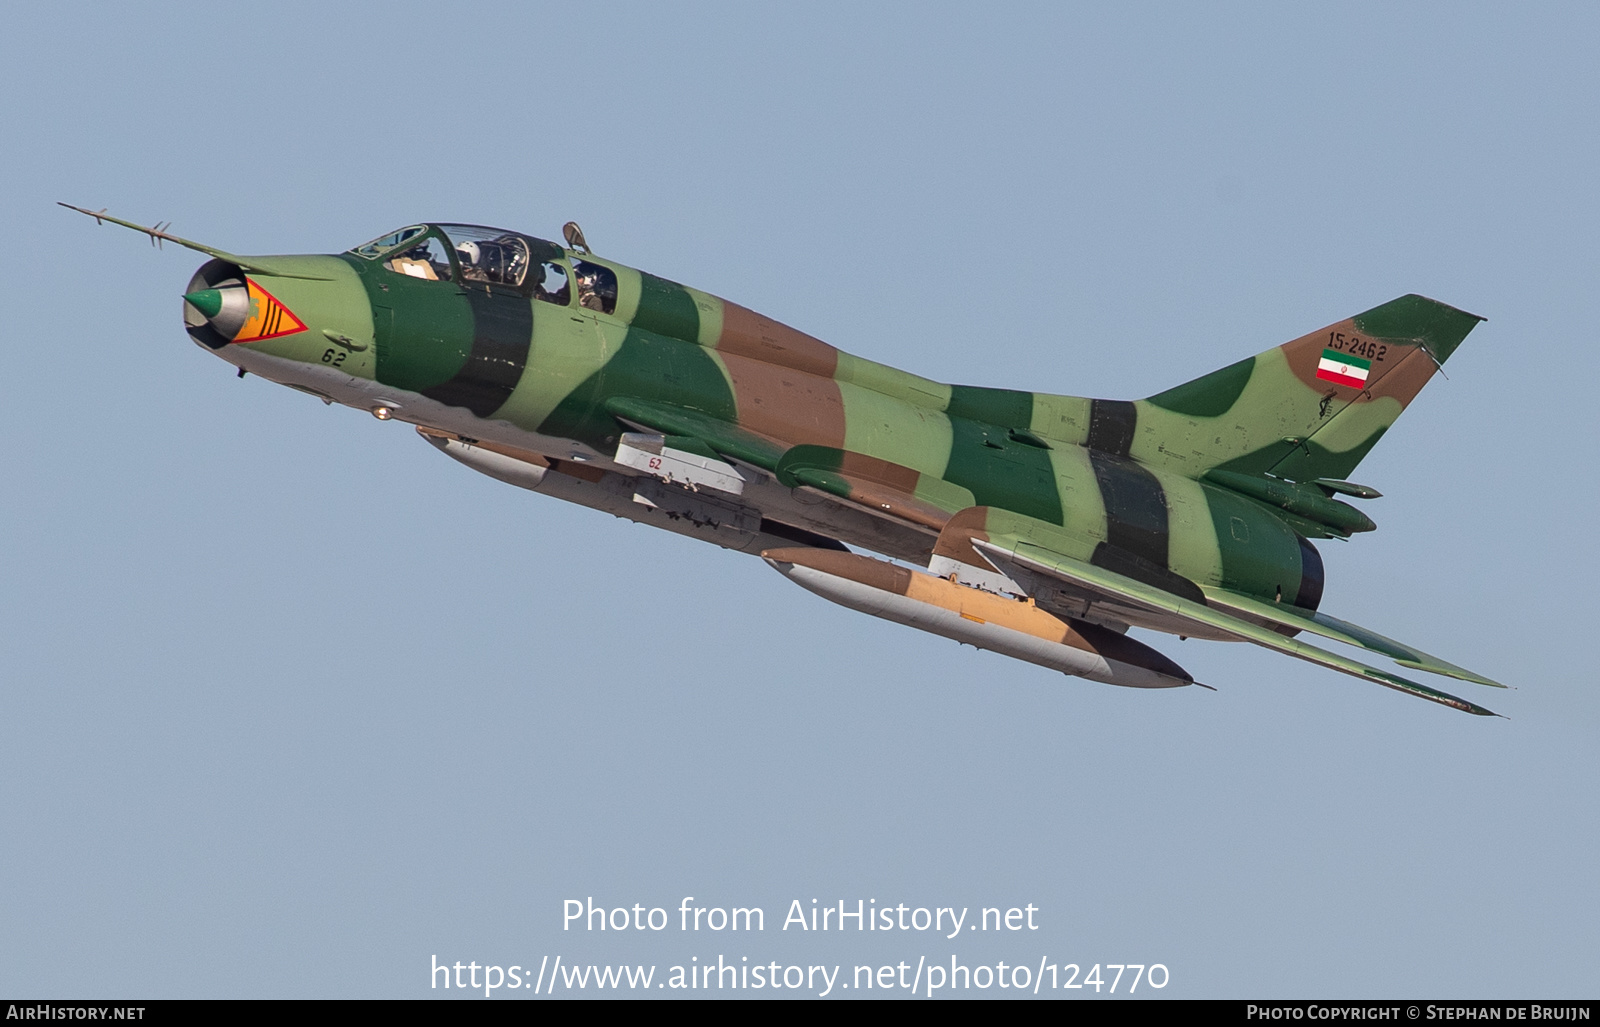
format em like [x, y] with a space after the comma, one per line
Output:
[268, 318]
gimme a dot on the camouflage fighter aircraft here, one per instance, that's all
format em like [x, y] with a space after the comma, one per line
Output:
[1038, 526]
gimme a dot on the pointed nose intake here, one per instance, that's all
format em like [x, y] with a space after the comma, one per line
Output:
[224, 306]
[217, 303]
[224, 309]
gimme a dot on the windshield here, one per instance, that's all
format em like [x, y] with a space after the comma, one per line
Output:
[383, 244]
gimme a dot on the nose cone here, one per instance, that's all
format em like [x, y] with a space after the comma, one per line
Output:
[218, 315]
[207, 301]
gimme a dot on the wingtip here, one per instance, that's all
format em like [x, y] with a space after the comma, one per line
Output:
[1479, 711]
[1450, 670]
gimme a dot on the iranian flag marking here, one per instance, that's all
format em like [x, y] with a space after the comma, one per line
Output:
[1343, 369]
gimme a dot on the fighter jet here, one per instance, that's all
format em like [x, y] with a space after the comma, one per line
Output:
[1039, 526]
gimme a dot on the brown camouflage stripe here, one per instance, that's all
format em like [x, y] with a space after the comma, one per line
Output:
[783, 402]
[749, 334]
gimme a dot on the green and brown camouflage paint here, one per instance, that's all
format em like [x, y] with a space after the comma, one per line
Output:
[1142, 487]
[1190, 511]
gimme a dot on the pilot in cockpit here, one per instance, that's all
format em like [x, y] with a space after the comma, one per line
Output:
[589, 290]
[547, 275]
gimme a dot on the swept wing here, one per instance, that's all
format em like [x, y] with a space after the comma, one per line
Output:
[1339, 631]
[1123, 590]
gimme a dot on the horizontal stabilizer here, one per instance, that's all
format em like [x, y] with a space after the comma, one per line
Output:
[1026, 557]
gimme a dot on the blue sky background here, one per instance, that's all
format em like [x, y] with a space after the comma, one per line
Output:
[292, 704]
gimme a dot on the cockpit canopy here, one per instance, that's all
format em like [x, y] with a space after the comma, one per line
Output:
[492, 257]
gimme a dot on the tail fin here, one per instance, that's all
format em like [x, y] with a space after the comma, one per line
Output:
[1311, 408]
